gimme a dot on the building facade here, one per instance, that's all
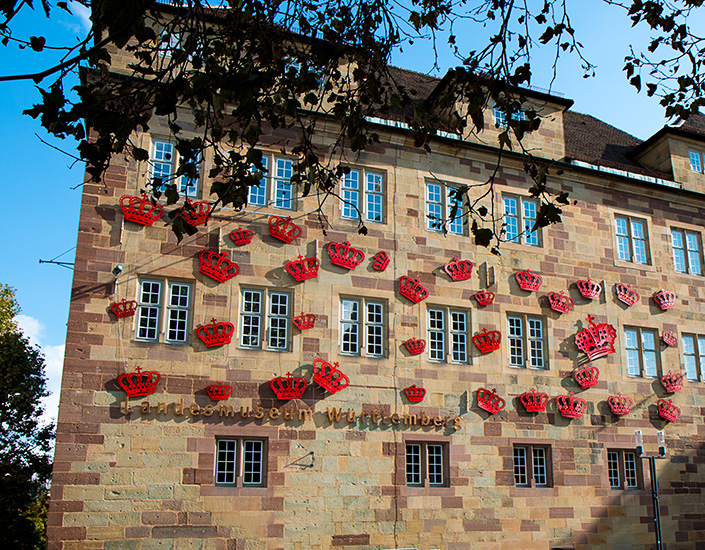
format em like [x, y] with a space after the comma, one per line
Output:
[348, 432]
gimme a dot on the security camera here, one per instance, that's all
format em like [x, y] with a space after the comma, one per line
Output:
[117, 270]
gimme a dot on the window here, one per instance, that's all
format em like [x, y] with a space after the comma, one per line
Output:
[519, 220]
[632, 244]
[426, 464]
[240, 462]
[696, 164]
[693, 356]
[640, 344]
[274, 187]
[527, 342]
[163, 166]
[154, 312]
[352, 325]
[448, 335]
[623, 469]
[687, 257]
[532, 465]
[261, 311]
[363, 195]
[440, 201]
[500, 117]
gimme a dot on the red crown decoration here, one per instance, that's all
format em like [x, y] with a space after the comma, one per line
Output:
[217, 266]
[484, 297]
[626, 294]
[291, 387]
[328, 376]
[303, 268]
[283, 229]
[414, 394]
[533, 401]
[412, 289]
[490, 401]
[589, 288]
[487, 341]
[139, 383]
[140, 210]
[215, 333]
[587, 377]
[344, 255]
[665, 299]
[667, 410]
[304, 321]
[124, 308]
[415, 345]
[458, 270]
[619, 404]
[527, 280]
[669, 338]
[380, 261]
[241, 236]
[197, 212]
[560, 302]
[571, 406]
[219, 391]
[672, 382]
[596, 340]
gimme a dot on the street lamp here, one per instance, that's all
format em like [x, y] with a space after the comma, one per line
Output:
[639, 441]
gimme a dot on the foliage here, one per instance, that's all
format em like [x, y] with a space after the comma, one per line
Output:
[269, 71]
[9, 308]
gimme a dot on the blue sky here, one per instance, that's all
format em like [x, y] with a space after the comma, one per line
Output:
[41, 208]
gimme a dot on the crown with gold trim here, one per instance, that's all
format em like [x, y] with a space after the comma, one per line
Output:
[412, 289]
[667, 410]
[527, 280]
[587, 377]
[217, 266]
[219, 391]
[140, 210]
[415, 346]
[344, 255]
[380, 261]
[124, 308]
[490, 401]
[215, 333]
[672, 382]
[303, 268]
[487, 341]
[669, 338]
[560, 302]
[291, 387]
[328, 376]
[620, 404]
[458, 270]
[283, 229]
[571, 406]
[596, 340]
[589, 288]
[626, 294]
[197, 212]
[241, 236]
[665, 299]
[534, 401]
[484, 297]
[304, 321]
[414, 394]
[139, 383]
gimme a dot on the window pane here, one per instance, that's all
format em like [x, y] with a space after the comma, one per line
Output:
[350, 327]
[516, 342]
[374, 190]
[648, 342]
[693, 247]
[459, 338]
[613, 469]
[413, 464]
[257, 194]
[375, 329]
[695, 164]
[689, 357]
[148, 314]
[529, 218]
[251, 318]
[435, 464]
[434, 207]
[631, 339]
[436, 335]
[455, 224]
[225, 461]
[630, 469]
[511, 218]
[351, 194]
[284, 169]
[278, 321]
[162, 162]
[520, 470]
[539, 464]
[253, 459]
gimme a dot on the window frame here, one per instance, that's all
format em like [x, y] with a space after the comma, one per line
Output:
[449, 334]
[274, 189]
[165, 320]
[364, 328]
[266, 317]
[687, 252]
[237, 461]
[456, 226]
[526, 340]
[186, 187]
[626, 254]
[622, 481]
[522, 218]
[698, 355]
[530, 466]
[641, 350]
[698, 158]
[500, 116]
[427, 469]
[357, 202]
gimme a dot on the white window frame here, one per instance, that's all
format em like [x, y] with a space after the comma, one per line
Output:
[532, 465]
[448, 335]
[154, 311]
[632, 239]
[687, 251]
[639, 350]
[240, 462]
[275, 189]
[268, 324]
[362, 194]
[500, 117]
[439, 206]
[363, 321]
[696, 161]
[623, 469]
[163, 163]
[527, 349]
[426, 464]
[520, 212]
[693, 346]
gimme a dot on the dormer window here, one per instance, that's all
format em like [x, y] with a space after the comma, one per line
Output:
[696, 162]
[500, 117]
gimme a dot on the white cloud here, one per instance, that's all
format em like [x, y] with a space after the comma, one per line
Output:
[31, 328]
[82, 13]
